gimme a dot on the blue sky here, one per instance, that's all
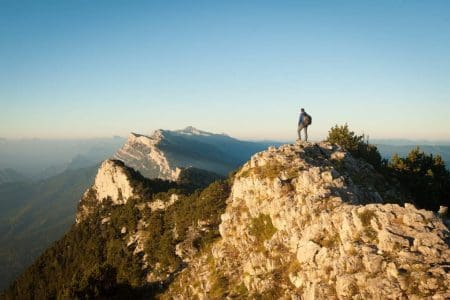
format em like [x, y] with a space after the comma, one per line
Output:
[71, 69]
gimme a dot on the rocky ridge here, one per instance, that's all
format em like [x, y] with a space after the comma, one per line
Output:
[309, 221]
[165, 153]
[111, 184]
[141, 153]
[112, 181]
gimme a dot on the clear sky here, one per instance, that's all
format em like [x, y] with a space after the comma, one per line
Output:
[86, 68]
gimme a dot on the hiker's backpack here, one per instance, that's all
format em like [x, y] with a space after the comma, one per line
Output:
[307, 120]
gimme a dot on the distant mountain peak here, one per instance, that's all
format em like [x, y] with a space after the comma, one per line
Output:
[190, 130]
[141, 153]
[162, 153]
[136, 138]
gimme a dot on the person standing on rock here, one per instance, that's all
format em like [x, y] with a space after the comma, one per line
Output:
[303, 122]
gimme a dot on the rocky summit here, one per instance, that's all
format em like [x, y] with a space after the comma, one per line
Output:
[308, 221]
[302, 221]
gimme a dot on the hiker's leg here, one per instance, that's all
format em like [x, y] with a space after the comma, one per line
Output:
[299, 131]
[306, 133]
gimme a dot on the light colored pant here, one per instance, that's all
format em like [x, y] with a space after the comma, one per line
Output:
[299, 130]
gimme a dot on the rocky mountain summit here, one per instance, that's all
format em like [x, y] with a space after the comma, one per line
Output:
[302, 221]
[164, 153]
[308, 221]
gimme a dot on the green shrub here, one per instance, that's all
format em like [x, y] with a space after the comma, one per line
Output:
[357, 145]
[424, 176]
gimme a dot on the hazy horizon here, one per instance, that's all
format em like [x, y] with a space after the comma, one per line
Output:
[390, 141]
[380, 140]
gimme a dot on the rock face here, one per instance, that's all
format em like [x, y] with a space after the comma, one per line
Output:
[112, 181]
[165, 152]
[308, 221]
[141, 153]
[112, 184]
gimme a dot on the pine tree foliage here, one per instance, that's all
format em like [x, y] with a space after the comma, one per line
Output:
[423, 177]
[95, 260]
[357, 145]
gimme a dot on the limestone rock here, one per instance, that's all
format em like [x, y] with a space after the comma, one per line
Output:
[112, 182]
[142, 153]
[112, 185]
[309, 221]
[165, 153]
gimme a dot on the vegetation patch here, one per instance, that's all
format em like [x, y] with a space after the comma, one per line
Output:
[366, 216]
[219, 288]
[220, 283]
[239, 292]
[330, 241]
[94, 261]
[261, 228]
[270, 170]
[294, 266]
[246, 173]
[292, 173]
[357, 145]
[423, 178]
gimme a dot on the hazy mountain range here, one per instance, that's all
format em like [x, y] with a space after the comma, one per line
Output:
[36, 159]
[35, 213]
[39, 158]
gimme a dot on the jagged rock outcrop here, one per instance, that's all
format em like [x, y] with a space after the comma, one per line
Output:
[308, 221]
[115, 184]
[166, 152]
[112, 184]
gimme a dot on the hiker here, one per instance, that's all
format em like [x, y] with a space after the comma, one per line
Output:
[303, 122]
